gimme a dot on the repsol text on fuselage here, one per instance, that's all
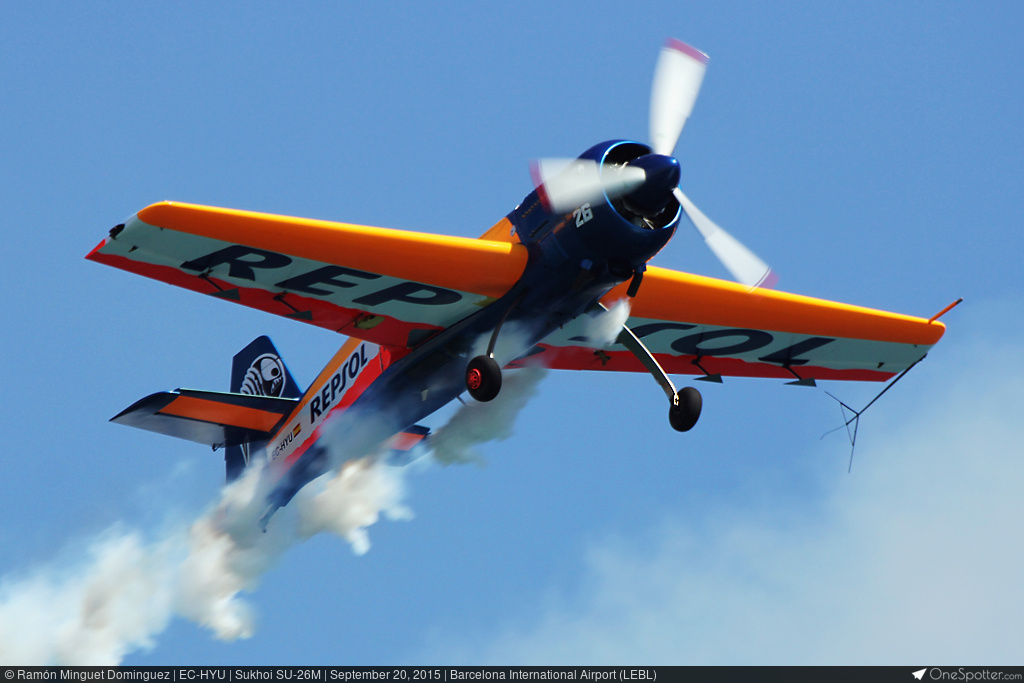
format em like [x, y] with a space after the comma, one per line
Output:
[348, 371]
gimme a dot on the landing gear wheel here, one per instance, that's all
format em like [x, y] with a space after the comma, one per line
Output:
[683, 415]
[483, 378]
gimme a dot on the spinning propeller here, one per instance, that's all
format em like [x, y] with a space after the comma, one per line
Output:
[647, 184]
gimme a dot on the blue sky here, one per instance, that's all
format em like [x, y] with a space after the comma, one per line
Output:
[872, 153]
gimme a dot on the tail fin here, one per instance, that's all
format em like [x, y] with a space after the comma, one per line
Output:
[258, 370]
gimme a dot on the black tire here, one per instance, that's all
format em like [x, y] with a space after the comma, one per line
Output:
[684, 415]
[483, 378]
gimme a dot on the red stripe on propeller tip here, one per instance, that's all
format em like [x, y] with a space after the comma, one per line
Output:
[538, 182]
[689, 51]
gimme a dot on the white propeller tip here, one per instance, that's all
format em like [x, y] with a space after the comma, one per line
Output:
[677, 79]
[744, 266]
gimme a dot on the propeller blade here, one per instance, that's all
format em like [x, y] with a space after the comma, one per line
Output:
[564, 184]
[677, 78]
[745, 267]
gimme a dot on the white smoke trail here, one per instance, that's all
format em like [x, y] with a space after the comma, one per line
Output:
[128, 589]
[113, 604]
[225, 556]
[350, 501]
[603, 329]
[476, 423]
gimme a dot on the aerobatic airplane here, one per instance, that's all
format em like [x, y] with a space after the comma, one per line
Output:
[429, 317]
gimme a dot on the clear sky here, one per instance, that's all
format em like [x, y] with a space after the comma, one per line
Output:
[871, 152]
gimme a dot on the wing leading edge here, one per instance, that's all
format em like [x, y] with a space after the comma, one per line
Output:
[702, 326]
[389, 287]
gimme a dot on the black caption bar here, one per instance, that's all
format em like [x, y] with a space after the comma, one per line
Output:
[439, 674]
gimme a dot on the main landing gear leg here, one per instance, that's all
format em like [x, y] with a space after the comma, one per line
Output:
[685, 404]
[483, 374]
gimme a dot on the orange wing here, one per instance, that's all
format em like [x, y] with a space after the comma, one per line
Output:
[702, 326]
[390, 287]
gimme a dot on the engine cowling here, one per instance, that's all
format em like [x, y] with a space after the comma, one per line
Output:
[633, 228]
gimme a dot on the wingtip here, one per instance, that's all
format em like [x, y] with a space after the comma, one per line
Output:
[91, 256]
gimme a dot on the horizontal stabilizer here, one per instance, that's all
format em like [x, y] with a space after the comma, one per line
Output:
[213, 418]
[406, 446]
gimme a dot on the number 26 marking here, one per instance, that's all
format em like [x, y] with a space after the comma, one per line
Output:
[582, 215]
